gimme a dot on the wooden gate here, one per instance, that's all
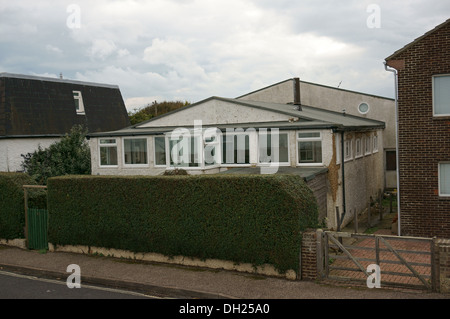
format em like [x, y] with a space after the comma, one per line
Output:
[406, 262]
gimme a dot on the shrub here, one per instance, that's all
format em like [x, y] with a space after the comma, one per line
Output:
[246, 219]
[71, 155]
[12, 207]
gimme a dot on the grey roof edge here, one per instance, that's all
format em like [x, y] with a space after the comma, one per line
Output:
[164, 129]
[48, 79]
[415, 41]
[321, 85]
[244, 103]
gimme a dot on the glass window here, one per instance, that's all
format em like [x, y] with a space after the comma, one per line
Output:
[160, 151]
[441, 95]
[108, 152]
[368, 149]
[79, 106]
[236, 149]
[363, 108]
[187, 151]
[375, 143]
[267, 150]
[135, 151]
[358, 150]
[391, 161]
[444, 179]
[348, 149]
[309, 148]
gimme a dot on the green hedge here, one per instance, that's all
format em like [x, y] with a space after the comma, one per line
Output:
[246, 219]
[12, 209]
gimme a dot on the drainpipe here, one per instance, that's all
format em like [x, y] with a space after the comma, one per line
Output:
[343, 180]
[396, 141]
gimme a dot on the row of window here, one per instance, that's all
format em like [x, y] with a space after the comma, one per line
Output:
[363, 146]
[199, 151]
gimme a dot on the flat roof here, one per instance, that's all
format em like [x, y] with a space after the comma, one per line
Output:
[306, 173]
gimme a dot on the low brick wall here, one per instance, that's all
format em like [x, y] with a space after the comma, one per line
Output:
[443, 264]
[309, 255]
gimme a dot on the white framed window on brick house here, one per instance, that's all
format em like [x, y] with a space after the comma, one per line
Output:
[444, 179]
[135, 152]
[441, 95]
[108, 152]
[79, 105]
[358, 148]
[309, 148]
[348, 149]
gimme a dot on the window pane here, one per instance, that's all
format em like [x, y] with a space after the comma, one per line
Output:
[135, 151]
[391, 161]
[160, 150]
[108, 141]
[441, 98]
[265, 151]
[108, 156]
[236, 149]
[310, 152]
[444, 178]
[309, 135]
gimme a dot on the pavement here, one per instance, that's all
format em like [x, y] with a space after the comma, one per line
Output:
[182, 282]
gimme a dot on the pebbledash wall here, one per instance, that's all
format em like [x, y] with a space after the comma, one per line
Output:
[424, 138]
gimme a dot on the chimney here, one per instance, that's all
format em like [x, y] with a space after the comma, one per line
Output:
[297, 102]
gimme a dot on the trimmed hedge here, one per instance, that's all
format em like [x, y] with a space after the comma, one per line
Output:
[12, 209]
[253, 219]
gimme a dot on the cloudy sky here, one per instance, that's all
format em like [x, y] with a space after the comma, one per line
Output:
[192, 49]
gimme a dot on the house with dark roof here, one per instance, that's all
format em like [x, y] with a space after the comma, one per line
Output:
[234, 136]
[422, 70]
[39, 111]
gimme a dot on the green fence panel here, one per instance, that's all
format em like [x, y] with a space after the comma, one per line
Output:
[37, 228]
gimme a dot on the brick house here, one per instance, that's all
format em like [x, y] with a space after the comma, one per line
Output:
[423, 79]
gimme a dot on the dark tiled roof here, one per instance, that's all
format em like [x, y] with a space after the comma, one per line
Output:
[36, 106]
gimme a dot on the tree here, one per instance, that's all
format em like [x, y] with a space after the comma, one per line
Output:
[154, 109]
[71, 155]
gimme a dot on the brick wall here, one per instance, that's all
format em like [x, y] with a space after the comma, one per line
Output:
[309, 255]
[424, 140]
[442, 259]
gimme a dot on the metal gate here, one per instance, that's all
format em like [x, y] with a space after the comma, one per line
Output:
[406, 262]
[37, 228]
[36, 223]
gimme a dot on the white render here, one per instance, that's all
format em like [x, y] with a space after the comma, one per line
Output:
[11, 150]
[216, 111]
[338, 100]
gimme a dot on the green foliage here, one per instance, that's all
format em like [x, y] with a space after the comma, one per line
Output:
[12, 207]
[253, 219]
[71, 155]
[154, 109]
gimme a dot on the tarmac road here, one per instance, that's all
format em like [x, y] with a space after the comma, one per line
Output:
[15, 286]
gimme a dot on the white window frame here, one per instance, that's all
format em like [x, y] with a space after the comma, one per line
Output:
[79, 98]
[337, 144]
[368, 145]
[375, 141]
[107, 145]
[123, 152]
[278, 163]
[250, 148]
[439, 179]
[433, 98]
[358, 153]
[307, 139]
[154, 151]
[349, 143]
